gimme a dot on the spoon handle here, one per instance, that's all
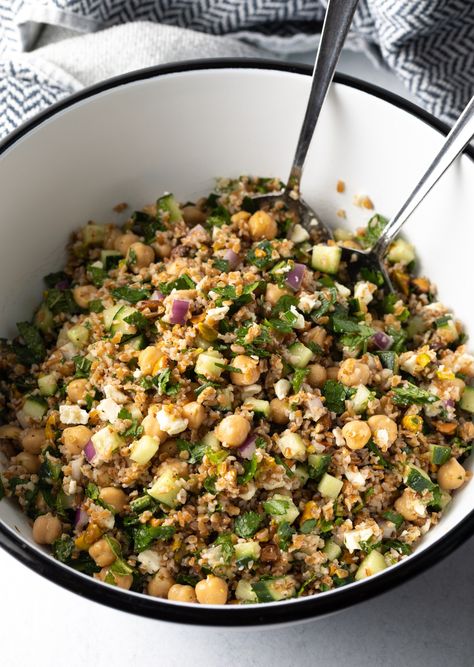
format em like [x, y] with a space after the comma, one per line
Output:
[460, 135]
[336, 25]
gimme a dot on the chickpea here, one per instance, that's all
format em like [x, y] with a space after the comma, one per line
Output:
[10, 432]
[212, 590]
[29, 462]
[250, 371]
[262, 226]
[192, 215]
[317, 375]
[140, 255]
[147, 359]
[124, 241]
[273, 293]
[177, 466]
[101, 552]
[33, 440]
[114, 497]
[180, 593]
[168, 449]
[410, 506]
[76, 390]
[279, 411]
[83, 294]
[233, 430]
[356, 434]
[121, 580]
[74, 439]
[162, 249]
[352, 373]
[451, 475]
[160, 584]
[46, 529]
[317, 335]
[332, 372]
[384, 431]
[195, 413]
[111, 236]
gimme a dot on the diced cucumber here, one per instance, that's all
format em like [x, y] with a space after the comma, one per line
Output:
[332, 550]
[143, 450]
[301, 472]
[47, 385]
[210, 440]
[272, 590]
[371, 564]
[44, 319]
[166, 488]
[329, 486]
[110, 259]
[137, 342]
[415, 326]
[298, 234]
[258, 406]
[281, 508]
[389, 360]
[318, 465]
[467, 400]
[401, 251]
[246, 552]
[119, 325]
[109, 314]
[106, 442]
[244, 592]
[299, 355]
[78, 335]
[292, 446]
[207, 364]
[326, 258]
[439, 454]
[93, 234]
[360, 400]
[35, 407]
[341, 234]
[168, 203]
[226, 396]
[417, 479]
[440, 499]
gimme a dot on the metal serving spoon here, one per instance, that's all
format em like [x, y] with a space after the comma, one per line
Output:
[336, 25]
[460, 135]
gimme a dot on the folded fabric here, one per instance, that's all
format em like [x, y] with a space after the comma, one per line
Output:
[429, 44]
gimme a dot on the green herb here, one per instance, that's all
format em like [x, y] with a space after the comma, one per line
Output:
[229, 293]
[226, 367]
[326, 303]
[399, 546]
[96, 274]
[135, 430]
[61, 301]
[298, 378]
[372, 276]
[247, 524]
[249, 205]
[284, 534]
[138, 320]
[373, 230]
[287, 468]
[63, 548]
[187, 579]
[219, 216]
[308, 526]
[184, 282]
[261, 255]
[342, 581]
[145, 535]
[13, 482]
[130, 294]
[358, 339]
[279, 325]
[216, 457]
[84, 563]
[224, 541]
[410, 394]
[443, 321]
[196, 450]
[96, 306]
[52, 279]
[83, 366]
[394, 517]
[34, 344]
[307, 583]
[147, 225]
[276, 506]
[165, 384]
[205, 385]
[210, 484]
[399, 339]
[92, 491]
[372, 447]
[284, 303]
[335, 395]
[221, 265]
[141, 504]
[250, 468]
[131, 257]
[125, 414]
[257, 346]
[389, 359]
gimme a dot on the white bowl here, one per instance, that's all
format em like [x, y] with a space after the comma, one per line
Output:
[177, 128]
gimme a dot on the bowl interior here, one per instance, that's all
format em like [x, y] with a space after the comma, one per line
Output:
[177, 132]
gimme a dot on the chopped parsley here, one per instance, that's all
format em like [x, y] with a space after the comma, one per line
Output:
[298, 378]
[226, 545]
[196, 450]
[373, 230]
[221, 265]
[335, 394]
[96, 274]
[247, 524]
[61, 301]
[182, 283]
[34, 348]
[284, 534]
[410, 394]
[145, 535]
[130, 294]
[261, 255]
[250, 468]
[96, 306]
[83, 366]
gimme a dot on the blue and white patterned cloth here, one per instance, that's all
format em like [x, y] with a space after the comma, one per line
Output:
[429, 44]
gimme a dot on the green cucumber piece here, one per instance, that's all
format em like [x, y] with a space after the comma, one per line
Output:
[440, 499]
[106, 442]
[245, 552]
[109, 314]
[244, 592]
[439, 454]
[272, 590]
[372, 564]
[119, 325]
[166, 488]
[326, 258]
[281, 508]
[143, 450]
[418, 480]
[416, 325]
[35, 407]
[360, 400]
[301, 472]
[258, 406]
[110, 259]
[207, 364]
[168, 204]
[47, 385]
[78, 335]
[93, 234]
[137, 342]
[299, 355]
[318, 465]
[292, 446]
[401, 251]
[467, 400]
[44, 319]
[329, 486]
[332, 550]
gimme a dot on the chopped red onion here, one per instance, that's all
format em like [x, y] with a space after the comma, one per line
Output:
[295, 276]
[157, 296]
[247, 449]
[179, 310]
[382, 340]
[89, 451]
[232, 257]
[81, 519]
[449, 403]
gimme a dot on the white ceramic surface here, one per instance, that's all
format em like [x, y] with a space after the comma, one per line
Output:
[177, 132]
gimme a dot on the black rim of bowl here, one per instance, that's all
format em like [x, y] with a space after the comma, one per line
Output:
[238, 615]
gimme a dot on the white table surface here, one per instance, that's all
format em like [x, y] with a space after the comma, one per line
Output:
[426, 622]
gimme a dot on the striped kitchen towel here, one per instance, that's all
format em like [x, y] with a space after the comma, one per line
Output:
[428, 44]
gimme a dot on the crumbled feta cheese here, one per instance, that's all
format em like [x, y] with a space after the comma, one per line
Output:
[68, 351]
[419, 507]
[150, 561]
[98, 264]
[408, 362]
[108, 410]
[382, 437]
[137, 374]
[299, 322]
[282, 388]
[356, 478]
[114, 394]
[73, 414]
[170, 421]
[299, 234]
[353, 538]
[342, 289]
[72, 487]
[363, 291]
[308, 302]
[217, 313]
